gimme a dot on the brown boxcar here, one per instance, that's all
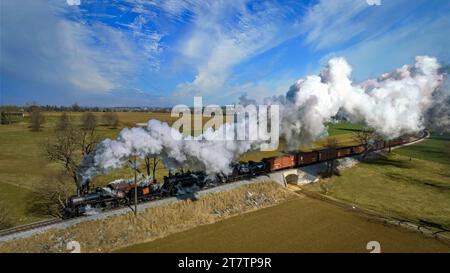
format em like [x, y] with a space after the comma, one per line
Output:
[305, 158]
[279, 162]
[407, 139]
[358, 149]
[345, 151]
[325, 155]
[395, 142]
[379, 145]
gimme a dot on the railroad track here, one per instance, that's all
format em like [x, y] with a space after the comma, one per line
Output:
[31, 226]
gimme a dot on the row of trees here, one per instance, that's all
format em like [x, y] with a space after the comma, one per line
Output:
[30, 106]
[88, 120]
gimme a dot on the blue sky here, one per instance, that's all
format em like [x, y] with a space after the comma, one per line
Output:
[160, 53]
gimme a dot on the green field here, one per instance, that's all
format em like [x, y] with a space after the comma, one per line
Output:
[436, 149]
[298, 225]
[343, 128]
[411, 183]
[23, 164]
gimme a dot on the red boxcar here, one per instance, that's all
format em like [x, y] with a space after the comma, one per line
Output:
[279, 162]
[305, 158]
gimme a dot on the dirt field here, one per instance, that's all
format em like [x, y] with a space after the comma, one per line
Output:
[298, 225]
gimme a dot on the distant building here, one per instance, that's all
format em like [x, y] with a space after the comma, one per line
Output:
[11, 117]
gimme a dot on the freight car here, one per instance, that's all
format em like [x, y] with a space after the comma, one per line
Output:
[280, 162]
[343, 152]
[306, 158]
[327, 154]
[121, 192]
[379, 145]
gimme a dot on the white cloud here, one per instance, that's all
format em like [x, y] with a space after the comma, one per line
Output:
[73, 2]
[379, 54]
[216, 45]
[94, 69]
[331, 22]
[69, 56]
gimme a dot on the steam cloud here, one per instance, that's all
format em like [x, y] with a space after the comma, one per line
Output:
[393, 105]
[202, 152]
[397, 103]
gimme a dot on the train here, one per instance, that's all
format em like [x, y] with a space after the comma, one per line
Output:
[120, 193]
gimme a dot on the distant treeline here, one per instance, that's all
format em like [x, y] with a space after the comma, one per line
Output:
[30, 107]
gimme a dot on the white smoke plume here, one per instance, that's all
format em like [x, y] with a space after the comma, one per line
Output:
[205, 152]
[438, 115]
[393, 105]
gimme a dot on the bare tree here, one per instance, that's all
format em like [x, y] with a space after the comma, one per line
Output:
[365, 136]
[69, 146]
[6, 216]
[75, 107]
[63, 122]
[88, 136]
[88, 121]
[49, 197]
[36, 120]
[331, 165]
[31, 106]
[111, 119]
[151, 165]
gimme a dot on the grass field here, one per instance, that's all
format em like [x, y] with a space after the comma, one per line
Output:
[298, 225]
[436, 149]
[412, 182]
[416, 189]
[23, 164]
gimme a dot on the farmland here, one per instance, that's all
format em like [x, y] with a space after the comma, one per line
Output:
[23, 163]
[412, 183]
[298, 225]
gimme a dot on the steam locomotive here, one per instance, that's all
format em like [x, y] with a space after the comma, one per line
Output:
[120, 193]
